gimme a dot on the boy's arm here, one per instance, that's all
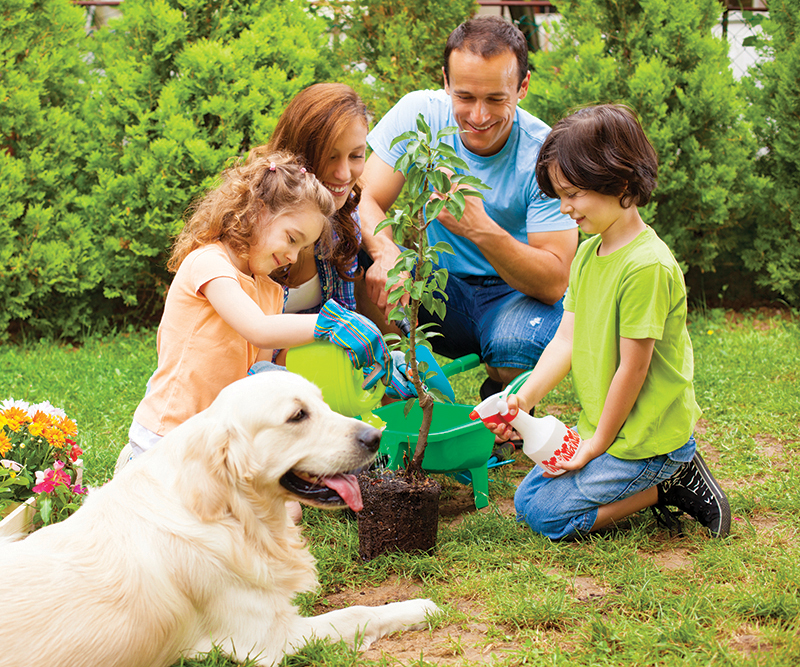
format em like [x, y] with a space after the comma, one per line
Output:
[552, 367]
[634, 361]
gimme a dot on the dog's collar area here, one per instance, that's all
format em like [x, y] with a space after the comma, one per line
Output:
[330, 492]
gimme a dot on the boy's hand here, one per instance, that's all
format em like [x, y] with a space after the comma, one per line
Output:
[586, 453]
[515, 404]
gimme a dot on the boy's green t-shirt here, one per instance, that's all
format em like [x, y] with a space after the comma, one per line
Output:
[635, 292]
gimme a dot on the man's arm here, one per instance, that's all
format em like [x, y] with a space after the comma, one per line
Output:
[539, 268]
[382, 186]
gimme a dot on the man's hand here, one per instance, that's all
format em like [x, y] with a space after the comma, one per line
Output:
[376, 277]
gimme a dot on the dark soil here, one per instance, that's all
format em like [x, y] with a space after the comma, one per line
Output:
[398, 515]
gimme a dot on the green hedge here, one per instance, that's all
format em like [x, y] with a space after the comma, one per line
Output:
[773, 230]
[106, 140]
[664, 61]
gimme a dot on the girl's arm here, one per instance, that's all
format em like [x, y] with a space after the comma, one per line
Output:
[552, 367]
[634, 361]
[242, 314]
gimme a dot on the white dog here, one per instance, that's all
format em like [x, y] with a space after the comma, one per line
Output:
[190, 545]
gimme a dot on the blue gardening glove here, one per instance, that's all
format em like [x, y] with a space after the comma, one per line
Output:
[400, 386]
[358, 337]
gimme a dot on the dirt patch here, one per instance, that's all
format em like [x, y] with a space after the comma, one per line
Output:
[393, 589]
[670, 559]
[586, 589]
[748, 641]
[465, 642]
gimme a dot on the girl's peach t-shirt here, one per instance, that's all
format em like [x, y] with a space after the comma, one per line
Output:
[198, 352]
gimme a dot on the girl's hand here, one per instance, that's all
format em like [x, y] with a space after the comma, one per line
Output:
[586, 453]
[357, 335]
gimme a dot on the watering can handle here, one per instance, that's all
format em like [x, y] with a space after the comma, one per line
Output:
[465, 363]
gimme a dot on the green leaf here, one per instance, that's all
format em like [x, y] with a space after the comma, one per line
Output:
[447, 131]
[443, 246]
[434, 208]
[402, 137]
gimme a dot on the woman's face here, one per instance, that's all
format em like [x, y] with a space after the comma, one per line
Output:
[343, 166]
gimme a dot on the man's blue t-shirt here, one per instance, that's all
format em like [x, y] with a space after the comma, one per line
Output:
[514, 202]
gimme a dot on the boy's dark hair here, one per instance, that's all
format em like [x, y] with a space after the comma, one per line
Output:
[488, 36]
[601, 148]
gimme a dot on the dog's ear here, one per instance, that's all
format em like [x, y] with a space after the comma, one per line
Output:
[204, 480]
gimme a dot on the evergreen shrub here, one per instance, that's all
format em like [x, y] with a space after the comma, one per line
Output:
[181, 88]
[47, 256]
[661, 59]
[773, 233]
[391, 47]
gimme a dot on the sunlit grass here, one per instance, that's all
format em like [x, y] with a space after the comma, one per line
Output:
[654, 598]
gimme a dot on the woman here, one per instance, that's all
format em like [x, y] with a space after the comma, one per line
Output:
[326, 124]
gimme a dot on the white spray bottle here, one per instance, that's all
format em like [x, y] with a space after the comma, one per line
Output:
[545, 440]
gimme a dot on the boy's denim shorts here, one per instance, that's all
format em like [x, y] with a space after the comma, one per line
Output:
[566, 506]
[486, 316]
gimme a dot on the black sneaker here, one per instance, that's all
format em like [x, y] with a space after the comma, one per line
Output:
[694, 490]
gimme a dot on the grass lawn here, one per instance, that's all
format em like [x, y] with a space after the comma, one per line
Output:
[636, 595]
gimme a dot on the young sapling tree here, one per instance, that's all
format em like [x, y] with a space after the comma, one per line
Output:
[415, 281]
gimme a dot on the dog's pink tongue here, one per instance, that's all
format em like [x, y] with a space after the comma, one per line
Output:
[347, 487]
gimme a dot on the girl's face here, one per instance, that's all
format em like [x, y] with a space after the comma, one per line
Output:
[281, 239]
[594, 212]
[343, 166]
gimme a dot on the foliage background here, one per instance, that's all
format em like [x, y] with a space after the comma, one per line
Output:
[106, 139]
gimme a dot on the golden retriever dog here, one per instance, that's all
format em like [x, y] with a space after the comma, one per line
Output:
[190, 545]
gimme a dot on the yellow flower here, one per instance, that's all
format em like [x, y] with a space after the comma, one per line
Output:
[36, 428]
[5, 444]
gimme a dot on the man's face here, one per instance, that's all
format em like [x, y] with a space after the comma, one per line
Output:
[484, 93]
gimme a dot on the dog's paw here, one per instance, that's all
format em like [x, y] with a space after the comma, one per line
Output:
[418, 612]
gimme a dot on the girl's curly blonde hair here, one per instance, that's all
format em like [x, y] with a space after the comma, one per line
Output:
[274, 182]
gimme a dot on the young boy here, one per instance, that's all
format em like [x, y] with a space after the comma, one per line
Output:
[624, 337]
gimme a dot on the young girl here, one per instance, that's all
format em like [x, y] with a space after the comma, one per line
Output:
[326, 125]
[623, 336]
[223, 311]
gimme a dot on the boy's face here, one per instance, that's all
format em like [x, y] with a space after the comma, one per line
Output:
[484, 93]
[280, 239]
[595, 213]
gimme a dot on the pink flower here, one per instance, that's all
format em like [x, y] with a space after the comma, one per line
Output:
[47, 481]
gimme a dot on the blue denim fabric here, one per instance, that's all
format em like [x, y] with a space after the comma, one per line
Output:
[485, 316]
[565, 506]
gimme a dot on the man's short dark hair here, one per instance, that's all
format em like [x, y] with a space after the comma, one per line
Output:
[601, 148]
[488, 36]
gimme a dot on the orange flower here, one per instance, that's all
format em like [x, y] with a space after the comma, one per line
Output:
[55, 437]
[67, 426]
[5, 443]
[15, 418]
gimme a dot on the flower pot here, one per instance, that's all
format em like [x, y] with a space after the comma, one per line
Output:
[20, 520]
[398, 515]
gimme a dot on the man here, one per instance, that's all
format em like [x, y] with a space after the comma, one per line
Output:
[513, 252]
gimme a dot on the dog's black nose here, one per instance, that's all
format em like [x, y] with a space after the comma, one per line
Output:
[370, 438]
